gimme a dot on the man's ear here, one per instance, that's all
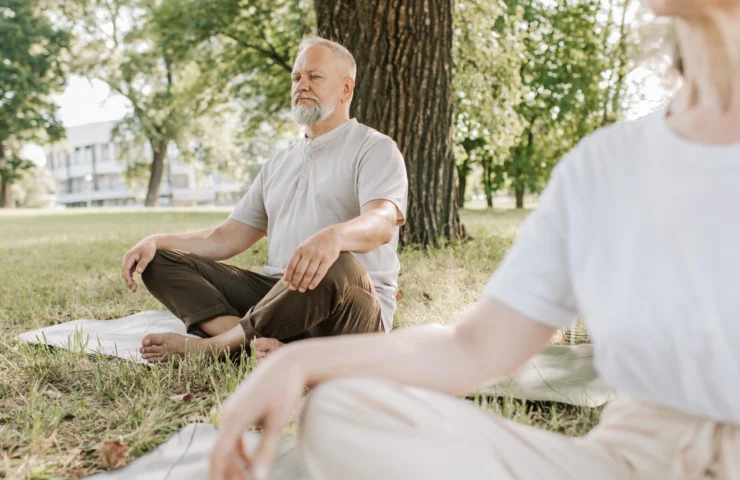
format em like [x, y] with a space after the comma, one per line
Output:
[349, 89]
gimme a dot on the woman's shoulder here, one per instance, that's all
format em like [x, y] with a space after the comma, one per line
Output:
[621, 146]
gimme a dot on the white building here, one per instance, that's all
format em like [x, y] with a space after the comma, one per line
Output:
[88, 172]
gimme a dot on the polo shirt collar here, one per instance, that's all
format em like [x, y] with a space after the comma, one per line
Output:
[330, 135]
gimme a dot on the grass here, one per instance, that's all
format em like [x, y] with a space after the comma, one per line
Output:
[57, 407]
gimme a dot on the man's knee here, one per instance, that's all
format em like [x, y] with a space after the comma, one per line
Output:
[347, 270]
[156, 271]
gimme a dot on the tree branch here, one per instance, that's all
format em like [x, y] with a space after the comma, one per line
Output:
[267, 53]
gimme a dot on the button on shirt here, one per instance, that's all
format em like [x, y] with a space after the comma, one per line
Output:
[638, 233]
[315, 184]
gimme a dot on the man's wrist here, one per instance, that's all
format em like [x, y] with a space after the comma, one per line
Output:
[336, 232]
[157, 239]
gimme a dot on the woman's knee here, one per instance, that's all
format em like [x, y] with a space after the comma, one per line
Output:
[334, 402]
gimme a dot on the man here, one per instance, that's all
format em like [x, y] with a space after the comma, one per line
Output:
[330, 206]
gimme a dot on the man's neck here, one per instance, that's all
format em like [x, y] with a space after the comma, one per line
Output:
[318, 129]
[707, 108]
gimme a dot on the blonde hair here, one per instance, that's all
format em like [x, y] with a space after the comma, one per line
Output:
[337, 48]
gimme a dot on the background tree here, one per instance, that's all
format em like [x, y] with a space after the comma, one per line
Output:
[488, 54]
[561, 76]
[126, 44]
[31, 70]
[259, 40]
[404, 89]
[34, 188]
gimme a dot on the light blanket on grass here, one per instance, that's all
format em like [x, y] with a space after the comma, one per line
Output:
[560, 373]
[185, 456]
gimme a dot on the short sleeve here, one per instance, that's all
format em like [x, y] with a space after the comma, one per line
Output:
[382, 176]
[251, 208]
[534, 277]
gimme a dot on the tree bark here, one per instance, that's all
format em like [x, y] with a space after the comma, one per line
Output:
[488, 181]
[519, 193]
[159, 150]
[6, 193]
[403, 50]
[462, 185]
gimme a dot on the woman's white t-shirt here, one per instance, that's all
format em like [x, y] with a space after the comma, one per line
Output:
[638, 232]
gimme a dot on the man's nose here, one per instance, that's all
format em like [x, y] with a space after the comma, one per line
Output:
[302, 85]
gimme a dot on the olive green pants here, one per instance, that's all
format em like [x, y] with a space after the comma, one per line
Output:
[196, 290]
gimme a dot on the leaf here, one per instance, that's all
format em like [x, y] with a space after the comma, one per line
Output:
[113, 454]
[52, 394]
[181, 398]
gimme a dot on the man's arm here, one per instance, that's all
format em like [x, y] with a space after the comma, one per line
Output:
[312, 259]
[220, 243]
[228, 239]
[373, 228]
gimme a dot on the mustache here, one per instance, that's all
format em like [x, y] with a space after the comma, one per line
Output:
[306, 96]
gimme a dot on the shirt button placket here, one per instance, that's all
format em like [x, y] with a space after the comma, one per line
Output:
[307, 159]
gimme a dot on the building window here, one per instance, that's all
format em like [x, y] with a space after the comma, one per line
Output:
[89, 155]
[104, 153]
[77, 157]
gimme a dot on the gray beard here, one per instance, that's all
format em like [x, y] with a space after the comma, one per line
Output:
[312, 114]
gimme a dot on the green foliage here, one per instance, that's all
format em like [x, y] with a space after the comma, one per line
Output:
[128, 44]
[561, 76]
[30, 71]
[33, 188]
[258, 41]
[532, 79]
[488, 54]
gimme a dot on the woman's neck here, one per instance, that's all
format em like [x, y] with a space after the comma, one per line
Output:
[707, 107]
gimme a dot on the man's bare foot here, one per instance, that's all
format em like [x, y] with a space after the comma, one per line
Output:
[160, 347]
[265, 346]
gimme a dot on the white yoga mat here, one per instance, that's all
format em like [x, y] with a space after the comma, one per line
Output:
[562, 373]
[185, 456]
[119, 338]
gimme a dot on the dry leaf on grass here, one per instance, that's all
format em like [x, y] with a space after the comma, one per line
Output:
[181, 398]
[52, 394]
[113, 454]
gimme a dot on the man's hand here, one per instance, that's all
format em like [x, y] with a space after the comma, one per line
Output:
[137, 259]
[266, 399]
[311, 260]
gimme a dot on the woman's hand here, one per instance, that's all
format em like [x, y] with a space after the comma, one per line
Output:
[267, 400]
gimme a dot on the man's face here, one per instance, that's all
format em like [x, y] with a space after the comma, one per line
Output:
[318, 84]
[689, 9]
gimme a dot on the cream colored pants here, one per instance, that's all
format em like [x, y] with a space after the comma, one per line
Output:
[366, 429]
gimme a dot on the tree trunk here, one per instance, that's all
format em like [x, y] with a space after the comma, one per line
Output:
[403, 50]
[462, 185]
[155, 179]
[488, 181]
[6, 195]
[519, 192]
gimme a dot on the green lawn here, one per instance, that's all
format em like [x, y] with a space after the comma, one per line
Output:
[58, 407]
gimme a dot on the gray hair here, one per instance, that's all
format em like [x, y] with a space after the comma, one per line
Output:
[337, 48]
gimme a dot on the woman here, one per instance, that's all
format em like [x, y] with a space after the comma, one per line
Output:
[637, 232]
